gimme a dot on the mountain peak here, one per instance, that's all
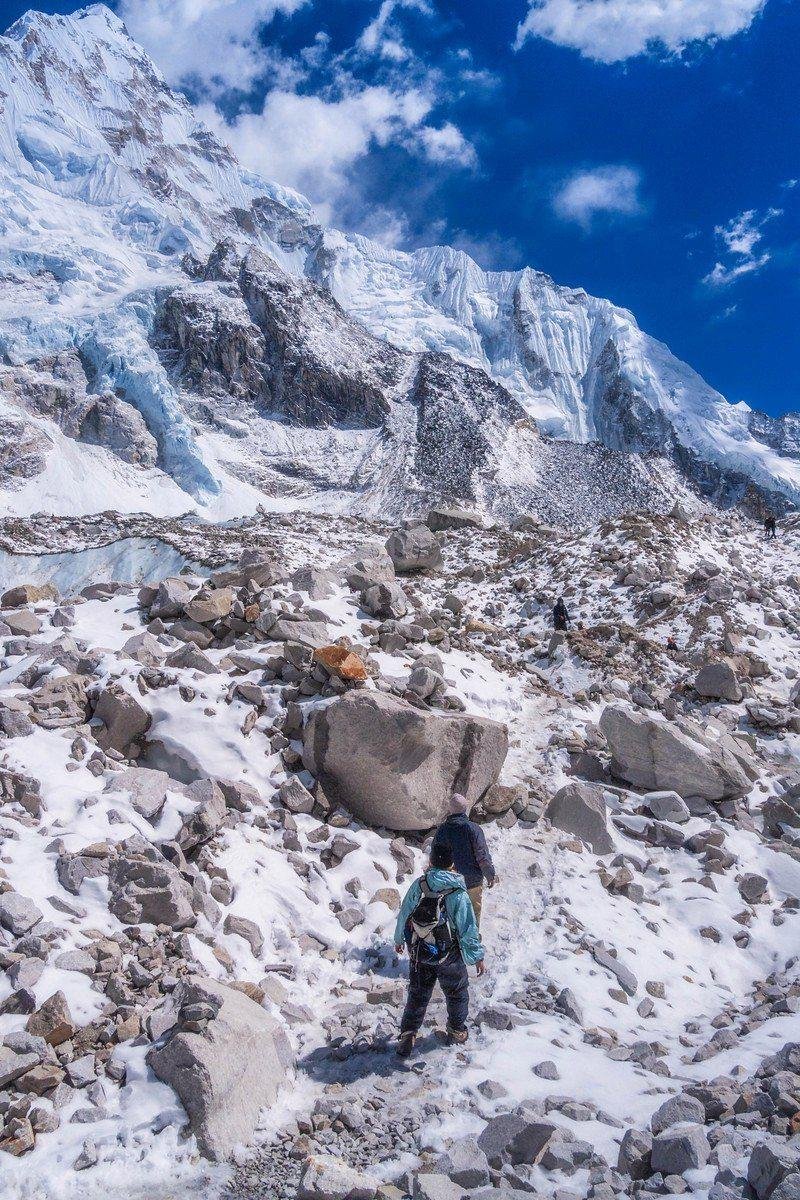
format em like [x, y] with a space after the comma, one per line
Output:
[113, 191]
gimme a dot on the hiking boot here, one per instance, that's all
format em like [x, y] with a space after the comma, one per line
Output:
[456, 1037]
[405, 1044]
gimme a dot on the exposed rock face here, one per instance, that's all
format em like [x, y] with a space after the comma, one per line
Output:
[396, 766]
[579, 808]
[657, 755]
[227, 1073]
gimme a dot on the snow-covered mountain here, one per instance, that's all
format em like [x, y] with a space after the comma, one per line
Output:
[296, 365]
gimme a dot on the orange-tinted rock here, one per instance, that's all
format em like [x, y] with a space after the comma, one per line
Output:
[337, 660]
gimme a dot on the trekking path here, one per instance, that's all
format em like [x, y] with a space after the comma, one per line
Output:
[615, 980]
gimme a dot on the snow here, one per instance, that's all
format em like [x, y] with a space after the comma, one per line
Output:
[108, 179]
[538, 927]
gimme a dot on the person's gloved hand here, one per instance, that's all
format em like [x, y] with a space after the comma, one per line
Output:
[399, 949]
[480, 967]
[492, 882]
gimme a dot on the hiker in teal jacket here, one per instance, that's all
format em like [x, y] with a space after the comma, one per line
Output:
[444, 957]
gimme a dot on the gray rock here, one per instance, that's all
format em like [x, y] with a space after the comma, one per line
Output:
[771, 1162]
[453, 517]
[626, 978]
[81, 1071]
[385, 600]
[667, 806]
[567, 1002]
[18, 914]
[88, 1156]
[515, 1138]
[190, 657]
[246, 929]
[203, 823]
[753, 888]
[147, 790]
[424, 682]
[465, 1163]
[634, 1154]
[395, 765]
[172, 596]
[227, 1074]
[12, 1065]
[313, 634]
[788, 1188]
[579, 808]
[325, 1177]
[682, 1148]
[295, 796]
[675, 1111]
[659, 755]
[76, 960]
[430, 1186]
[124, 719]
[414, 549]
[146, 892]
[209, 605]
[718, 681]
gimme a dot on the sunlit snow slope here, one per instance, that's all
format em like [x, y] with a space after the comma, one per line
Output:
[111, 190]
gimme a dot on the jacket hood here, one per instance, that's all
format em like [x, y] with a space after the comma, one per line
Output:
[440, 880]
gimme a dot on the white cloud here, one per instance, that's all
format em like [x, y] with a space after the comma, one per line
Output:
[309, 143]
[382, 35]
[740, 239]
[613, 30]
[447, 144]
[602, 191]
[320, 112]
[215, 41]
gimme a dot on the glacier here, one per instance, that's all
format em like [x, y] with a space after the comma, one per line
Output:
[112, 194]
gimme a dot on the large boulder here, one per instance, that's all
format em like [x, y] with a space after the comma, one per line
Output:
[580, 808]
[414, 549]
[394, 765]
[225, 1074]
[657, 755]
[717, 681]
[172, 596]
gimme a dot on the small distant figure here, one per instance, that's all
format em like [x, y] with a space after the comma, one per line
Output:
[561, 617]
[437, 924]
[770, 525]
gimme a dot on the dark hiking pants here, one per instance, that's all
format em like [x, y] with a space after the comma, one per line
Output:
[454, 983]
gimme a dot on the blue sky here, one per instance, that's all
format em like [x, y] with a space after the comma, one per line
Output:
[647, 153]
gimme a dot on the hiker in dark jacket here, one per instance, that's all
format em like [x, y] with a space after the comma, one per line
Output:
[442, 955]
[769, 526]
[561, 617]
[470, 852]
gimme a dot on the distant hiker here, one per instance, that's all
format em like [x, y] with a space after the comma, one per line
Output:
[561, 617]
[437, 924]
[769, 526]
[470, 853]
